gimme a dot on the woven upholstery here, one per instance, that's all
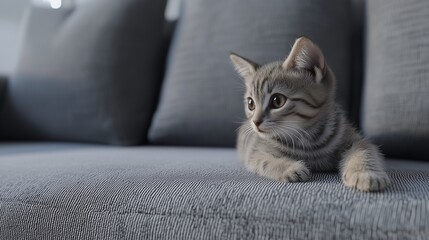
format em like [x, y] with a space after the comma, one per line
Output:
[51, 191]
[396, 104]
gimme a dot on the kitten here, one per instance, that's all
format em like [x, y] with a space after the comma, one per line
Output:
[294, 125]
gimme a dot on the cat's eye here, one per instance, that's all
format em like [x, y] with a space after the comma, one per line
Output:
[278, 100]
[250, 104]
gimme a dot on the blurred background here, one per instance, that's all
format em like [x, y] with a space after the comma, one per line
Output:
[11, 16]
[112, 54]
[12, 13]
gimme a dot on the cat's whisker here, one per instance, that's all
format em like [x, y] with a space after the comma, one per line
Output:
[281, 138]
[278, 135]
[297, 129]
[308, 134]
[247, 133]
[240, 122]
[301, 141]
[301, 137]
[292, 137]
[289, 136]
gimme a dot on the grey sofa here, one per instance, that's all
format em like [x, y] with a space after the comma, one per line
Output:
[98, 143]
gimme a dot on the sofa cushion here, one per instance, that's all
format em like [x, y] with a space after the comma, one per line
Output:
[87, 74]
[201, 99]
[396, 103]
[3, 84]
[94, 192]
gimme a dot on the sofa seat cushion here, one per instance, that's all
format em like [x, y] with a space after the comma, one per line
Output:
[97, 192]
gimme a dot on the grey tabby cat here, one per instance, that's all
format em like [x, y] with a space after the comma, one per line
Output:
[294, 125]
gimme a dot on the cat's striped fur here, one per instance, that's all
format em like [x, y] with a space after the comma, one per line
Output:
[286, 140]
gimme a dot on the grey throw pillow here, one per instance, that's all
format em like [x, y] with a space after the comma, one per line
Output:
[201, 99]
[87, 74]
[396, 100]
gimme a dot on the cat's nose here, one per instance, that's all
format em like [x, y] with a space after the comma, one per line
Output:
[257, 122]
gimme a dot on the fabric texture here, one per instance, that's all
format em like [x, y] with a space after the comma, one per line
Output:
[201, 99]
[396, 103]
[87, 74]
[52, 191]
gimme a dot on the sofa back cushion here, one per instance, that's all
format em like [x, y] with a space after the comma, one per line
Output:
[396, 97]
[201, 98]
[3, 84]
[87, 74]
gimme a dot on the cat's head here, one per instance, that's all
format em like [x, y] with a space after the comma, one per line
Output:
[286, 95]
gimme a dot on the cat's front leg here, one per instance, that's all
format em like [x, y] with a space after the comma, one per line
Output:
[279, 169]
[362, 168]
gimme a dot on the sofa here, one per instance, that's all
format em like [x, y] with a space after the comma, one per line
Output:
[120, 124]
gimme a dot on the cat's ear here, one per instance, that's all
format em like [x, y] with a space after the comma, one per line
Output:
[245, 67]
[306, 55]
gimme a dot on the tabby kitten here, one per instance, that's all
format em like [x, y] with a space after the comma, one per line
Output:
[294, 125]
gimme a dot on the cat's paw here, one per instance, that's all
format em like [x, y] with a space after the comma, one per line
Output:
[368, 181]
[296, 172]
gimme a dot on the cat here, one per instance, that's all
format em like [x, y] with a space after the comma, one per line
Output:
[294, 126]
